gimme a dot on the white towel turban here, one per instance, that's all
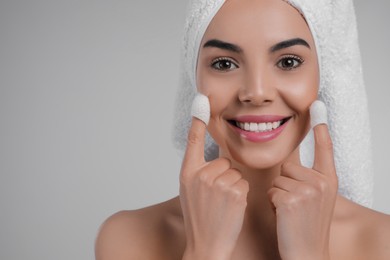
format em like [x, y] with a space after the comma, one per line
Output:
[333, 26]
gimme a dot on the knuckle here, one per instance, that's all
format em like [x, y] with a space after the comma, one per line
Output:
[184, 177]
[245, 185]
[240, 190]
[184, 184]
[234, 173]
[292, 202]
[288, 203]
[187, 183]
[221, 183]
[276, 180]
[286, 166]
[322, 185]
[308, 191]
[271, 194]
[193, 138]
[276, 196]
[204, 177]
[326, 143]
[223, 162]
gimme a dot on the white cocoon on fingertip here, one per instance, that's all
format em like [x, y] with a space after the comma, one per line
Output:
[318, 113]
[201, 108]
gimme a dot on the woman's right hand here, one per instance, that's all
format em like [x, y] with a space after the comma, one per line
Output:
[213, 200]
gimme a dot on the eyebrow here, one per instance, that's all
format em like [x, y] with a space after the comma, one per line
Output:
[237, 49]
[289, 43]
[222, 45]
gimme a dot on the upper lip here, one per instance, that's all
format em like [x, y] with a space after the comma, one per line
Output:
[259, 118]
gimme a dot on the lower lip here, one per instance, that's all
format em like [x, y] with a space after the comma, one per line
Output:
[259, 137]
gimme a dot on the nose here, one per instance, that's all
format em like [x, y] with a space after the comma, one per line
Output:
[258, 88]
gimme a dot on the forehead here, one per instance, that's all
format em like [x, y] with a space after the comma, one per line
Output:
[253, 20]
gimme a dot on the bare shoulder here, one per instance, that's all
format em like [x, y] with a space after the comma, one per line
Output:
[365, 232]
[154, 232]
[375, 233]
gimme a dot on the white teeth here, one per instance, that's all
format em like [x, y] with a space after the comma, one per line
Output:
[258, 127]
[253, 127]
[262, 126]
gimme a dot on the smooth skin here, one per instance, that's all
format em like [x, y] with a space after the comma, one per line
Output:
[256, 201]
[161, 231]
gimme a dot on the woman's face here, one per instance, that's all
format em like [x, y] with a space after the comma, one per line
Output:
[258, 65]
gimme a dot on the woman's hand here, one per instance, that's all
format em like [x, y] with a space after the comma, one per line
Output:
[213, 200]
[304, 201]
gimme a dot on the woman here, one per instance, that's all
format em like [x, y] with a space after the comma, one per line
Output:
[262, 64]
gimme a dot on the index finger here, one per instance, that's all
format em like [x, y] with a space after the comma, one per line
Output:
[323, 155]
[195, 143]
[194, 154]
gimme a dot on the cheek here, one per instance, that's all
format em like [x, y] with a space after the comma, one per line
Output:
[222, 93]
[301, 91]
[220, 90]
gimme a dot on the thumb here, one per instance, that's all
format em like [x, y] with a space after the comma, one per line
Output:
[200, 111]
[323, 156]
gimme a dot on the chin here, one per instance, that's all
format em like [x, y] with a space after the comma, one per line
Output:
[257, 160]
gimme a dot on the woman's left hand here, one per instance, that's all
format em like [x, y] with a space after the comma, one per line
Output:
[304, 200]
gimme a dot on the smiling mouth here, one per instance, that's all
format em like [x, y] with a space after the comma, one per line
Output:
[259, 127]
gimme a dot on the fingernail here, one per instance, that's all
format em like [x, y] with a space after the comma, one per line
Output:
[318, 113]
[201, 108]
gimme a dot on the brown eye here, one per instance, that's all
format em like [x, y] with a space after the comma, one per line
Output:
[223, 64]
[290, 62]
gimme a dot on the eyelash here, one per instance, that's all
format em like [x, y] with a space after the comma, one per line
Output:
[217, 61]
[293, 57]
[298, 59]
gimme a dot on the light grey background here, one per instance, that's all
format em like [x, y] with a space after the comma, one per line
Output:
[86, 101]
